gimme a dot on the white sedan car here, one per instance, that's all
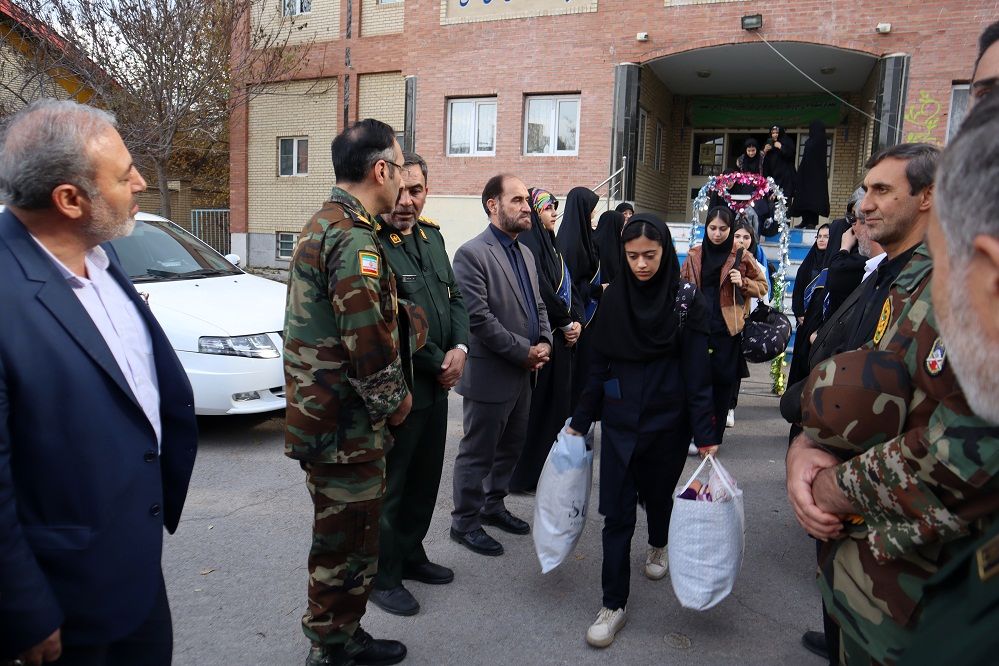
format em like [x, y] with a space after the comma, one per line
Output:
[224, 324]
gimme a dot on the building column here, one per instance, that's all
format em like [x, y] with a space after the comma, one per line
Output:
[624, 126]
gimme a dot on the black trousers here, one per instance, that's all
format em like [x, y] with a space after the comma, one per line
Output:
[151, 644]
[650, 477]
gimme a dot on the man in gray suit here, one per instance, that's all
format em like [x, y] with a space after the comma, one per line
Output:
[510, 339]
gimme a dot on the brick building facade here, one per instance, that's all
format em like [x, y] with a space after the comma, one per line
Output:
[565, 92]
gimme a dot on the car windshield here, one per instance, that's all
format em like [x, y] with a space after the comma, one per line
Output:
[158, 250]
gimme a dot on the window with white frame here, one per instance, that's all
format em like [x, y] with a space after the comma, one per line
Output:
[958, 108]
[658, 158]
[471, 126]
[643, 124]
[285, 244]
[551, 125]
[296, 7]
[293, 156]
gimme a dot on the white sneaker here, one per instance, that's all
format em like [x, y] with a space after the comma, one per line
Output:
[656, 563]
[691, 450]
[730, 420]
[602, 632]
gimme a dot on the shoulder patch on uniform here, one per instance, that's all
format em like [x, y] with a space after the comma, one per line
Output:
[396, 239]
[369, 262]
[883, 321]
[423, 234]
[430, 223]
[988, 559]
[936, 358]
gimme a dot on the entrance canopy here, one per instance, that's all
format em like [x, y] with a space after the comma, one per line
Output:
[754, 69]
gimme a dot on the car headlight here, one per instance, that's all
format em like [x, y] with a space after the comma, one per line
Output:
[253, 346]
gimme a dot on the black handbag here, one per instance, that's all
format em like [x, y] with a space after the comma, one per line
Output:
[766, 334]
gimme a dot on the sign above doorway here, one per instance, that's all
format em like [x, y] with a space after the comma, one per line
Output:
[796, 111]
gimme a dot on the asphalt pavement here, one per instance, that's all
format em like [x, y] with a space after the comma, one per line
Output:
[236, 568]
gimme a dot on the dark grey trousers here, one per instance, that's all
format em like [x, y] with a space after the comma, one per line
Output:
[494, 437]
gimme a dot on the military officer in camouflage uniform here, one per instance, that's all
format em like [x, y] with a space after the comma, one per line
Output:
[415, 251]
[903, 476]
[345, 386]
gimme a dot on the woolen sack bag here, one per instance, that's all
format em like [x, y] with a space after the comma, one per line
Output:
[765, 335]
[707, 540]
[561, 499]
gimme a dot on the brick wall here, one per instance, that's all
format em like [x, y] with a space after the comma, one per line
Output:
[300, 109]
[651, 183]
[379, 18]
[382, 96]
[318, 26]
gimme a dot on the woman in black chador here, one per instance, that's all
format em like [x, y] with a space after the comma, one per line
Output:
[576, 245]
[608, 239]
[751, 160]
[778, 161]
[811, 194]
[650, 382]
[550, 398]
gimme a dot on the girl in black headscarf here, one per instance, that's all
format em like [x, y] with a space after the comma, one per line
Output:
[810, 268]
[811, 194]
[729, 280]
[608, 239]
[550, 398]
[778, 160]
[751, 161]
[649, 380]
[575, 243]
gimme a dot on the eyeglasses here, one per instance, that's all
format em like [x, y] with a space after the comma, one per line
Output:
[851, 218]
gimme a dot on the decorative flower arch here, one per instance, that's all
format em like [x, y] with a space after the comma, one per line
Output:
[761, 187]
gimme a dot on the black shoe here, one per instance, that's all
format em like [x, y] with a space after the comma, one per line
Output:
[377, 652]
[478, 541]
[328, 656]
[506, 521]
[429, 573]
[815, 642]
[397, 601]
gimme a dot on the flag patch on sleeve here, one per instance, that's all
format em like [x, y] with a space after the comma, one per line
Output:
[369, 263]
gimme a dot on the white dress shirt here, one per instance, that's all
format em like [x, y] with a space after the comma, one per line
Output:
[872, 264]
[121, 325]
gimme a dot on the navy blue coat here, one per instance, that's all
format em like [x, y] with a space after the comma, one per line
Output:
[84, 497]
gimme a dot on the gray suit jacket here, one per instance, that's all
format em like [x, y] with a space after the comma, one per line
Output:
[497, 319]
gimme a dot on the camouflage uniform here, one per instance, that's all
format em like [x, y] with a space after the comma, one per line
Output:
[344, 377]
[925, 489]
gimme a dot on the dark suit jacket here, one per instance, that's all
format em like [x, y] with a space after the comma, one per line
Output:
[497, 318]
[84, 496]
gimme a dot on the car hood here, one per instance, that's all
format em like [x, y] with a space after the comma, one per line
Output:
[217, 306]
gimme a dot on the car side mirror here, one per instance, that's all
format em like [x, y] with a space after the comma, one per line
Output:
[232, 259]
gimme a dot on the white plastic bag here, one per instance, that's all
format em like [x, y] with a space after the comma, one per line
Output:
[561, 500]
[707, 540]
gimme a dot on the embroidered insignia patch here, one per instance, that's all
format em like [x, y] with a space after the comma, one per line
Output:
[423, 234]
[936, 358]
[883, 320]
[369, 263]
[395, 238]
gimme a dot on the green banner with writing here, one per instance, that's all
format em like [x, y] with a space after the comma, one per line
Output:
[797, 111]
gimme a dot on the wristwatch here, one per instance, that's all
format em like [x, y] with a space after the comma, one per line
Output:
[462, 348]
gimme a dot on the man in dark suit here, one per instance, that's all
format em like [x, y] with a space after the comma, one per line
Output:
[510, 339]
[97, 428]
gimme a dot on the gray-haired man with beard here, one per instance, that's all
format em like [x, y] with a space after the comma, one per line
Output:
[510, 338]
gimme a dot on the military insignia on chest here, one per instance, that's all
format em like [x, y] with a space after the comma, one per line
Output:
[369, 263]
[883, 321]
[988, 559]
[396, 239]
[423, 234]
[936, 358]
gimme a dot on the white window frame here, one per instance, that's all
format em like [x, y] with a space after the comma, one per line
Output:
[477, 102]
[387, 2]
[284, 237]
[658, 152]
[554, 119]
[954, 120]
[643, 128]
[296, 7]
[296, 142]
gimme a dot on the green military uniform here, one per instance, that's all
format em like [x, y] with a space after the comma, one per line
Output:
[423, 276]
[924, 491]
[344, 377]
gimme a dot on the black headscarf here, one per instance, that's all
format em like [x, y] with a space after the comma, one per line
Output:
[575, 237]
[811, 193]
[637, 321]
[809, 269]
[749, 164]
[713, 257]
[623, 206]
[541, 241]
[608, 239]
